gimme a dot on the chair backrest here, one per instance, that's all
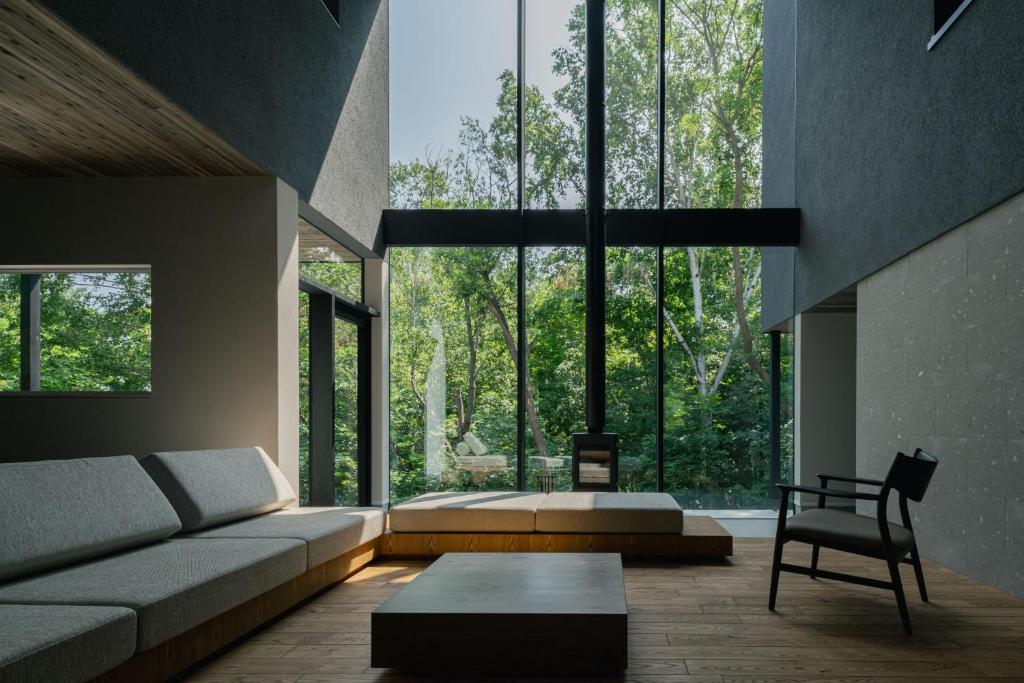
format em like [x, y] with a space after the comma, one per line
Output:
[910, 475]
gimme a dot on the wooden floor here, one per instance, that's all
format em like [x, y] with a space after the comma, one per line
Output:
[694, 622]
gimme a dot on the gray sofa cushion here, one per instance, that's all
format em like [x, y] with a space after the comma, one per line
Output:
[838, 526]
[584, 512]
[56, 512]
[172, 585]
[63, 643]
[328, 532]
[214, 487]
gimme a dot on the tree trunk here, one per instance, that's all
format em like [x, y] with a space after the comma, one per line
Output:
[739, 296]
[510, 344]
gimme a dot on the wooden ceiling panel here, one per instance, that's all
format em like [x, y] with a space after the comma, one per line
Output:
[69, 109]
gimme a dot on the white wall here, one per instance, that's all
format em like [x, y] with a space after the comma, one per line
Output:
[825, 397]
[223, 253]
[940, 335]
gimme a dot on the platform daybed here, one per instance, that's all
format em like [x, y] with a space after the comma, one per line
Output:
[645, 524]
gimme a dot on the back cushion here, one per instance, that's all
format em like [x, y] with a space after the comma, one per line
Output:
[214, 487]
[57, 512]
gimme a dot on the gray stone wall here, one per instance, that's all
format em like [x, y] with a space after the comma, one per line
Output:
[940, 365]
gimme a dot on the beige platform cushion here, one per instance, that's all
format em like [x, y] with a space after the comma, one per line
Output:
[487, 511]
[609, 513]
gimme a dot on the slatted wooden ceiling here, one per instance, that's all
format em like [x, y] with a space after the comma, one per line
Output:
[69, 109]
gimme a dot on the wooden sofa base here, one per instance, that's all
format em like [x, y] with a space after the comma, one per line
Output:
[702, 537]
[177, 654]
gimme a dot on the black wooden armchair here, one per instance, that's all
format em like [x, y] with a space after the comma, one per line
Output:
[859, 534]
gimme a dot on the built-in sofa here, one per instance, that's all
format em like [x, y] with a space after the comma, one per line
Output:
[133, 569]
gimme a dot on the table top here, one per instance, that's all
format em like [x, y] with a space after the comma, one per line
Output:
[515, 583]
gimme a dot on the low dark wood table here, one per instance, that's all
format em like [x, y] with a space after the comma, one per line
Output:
[508, 613]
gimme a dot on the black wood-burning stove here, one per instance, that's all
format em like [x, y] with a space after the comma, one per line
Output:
[595, 462]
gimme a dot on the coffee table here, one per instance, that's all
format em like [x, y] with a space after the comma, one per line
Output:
[508, 613]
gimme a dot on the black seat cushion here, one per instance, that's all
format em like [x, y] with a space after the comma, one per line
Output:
[826, 526]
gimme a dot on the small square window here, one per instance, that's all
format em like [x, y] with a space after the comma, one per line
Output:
[68, 331]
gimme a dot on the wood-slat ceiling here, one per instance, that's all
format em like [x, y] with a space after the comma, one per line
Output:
[69, 109]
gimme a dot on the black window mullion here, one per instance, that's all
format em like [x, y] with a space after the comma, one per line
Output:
[321, 399]
[31, 344]
[521, 369]
[775, 400]
[363, 436]
[660, 371]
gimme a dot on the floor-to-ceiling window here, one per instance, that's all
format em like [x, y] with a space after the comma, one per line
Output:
[488, 297]
[333, 372]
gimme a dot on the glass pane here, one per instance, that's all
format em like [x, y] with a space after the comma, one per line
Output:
[555, 328]
[716, 379]
[631, 79]
[453, 373]
[95, 331]
[453, 103]
[554, 40]
[303, 398]
[346, 413]
[713, 62]
[631, 365]
[787, 450]
[327, 262]
[10, 332]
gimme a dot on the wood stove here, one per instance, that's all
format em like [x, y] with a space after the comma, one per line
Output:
[595, 462]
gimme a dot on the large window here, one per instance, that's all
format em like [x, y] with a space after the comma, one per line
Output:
[688, 374]
[87, 331]
[555, 402]
[453, 104]
[453, 370]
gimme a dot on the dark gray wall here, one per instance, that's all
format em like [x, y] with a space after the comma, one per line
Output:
[223, 253]
[301, 95]
[886, 145]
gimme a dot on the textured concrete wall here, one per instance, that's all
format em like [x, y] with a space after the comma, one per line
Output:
[301, 95]
[894, 145]
[224, 259]
[825, 398]
[940, 366]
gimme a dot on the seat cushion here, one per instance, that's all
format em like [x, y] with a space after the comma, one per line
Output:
[610, 513]
[494, 511]
[836, 526]
[208, 488]
[171, 585]
[328, 532]
[63, 643]
[56, 512]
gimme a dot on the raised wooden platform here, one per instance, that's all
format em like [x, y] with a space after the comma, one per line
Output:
[702, 537]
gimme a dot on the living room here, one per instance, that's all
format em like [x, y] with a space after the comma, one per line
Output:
[387, 340]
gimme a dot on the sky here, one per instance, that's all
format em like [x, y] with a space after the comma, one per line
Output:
[446, 56]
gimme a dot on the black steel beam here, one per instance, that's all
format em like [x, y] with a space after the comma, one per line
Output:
[703, 227]
[567, 227]
[484, 227]
[321, 400]
[31, 345]
[595, 208]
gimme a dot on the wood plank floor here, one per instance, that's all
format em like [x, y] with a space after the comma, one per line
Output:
[693, 622]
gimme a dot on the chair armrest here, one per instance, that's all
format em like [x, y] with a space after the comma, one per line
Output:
[825, 478]
[831, 493]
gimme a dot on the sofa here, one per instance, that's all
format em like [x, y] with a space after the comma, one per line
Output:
[115, 566]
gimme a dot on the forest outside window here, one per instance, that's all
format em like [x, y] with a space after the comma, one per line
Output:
[76, 331]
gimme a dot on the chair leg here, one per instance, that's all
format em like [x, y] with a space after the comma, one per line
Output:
[776, 562]
[814, 561]
[901, 600]
[919, 573]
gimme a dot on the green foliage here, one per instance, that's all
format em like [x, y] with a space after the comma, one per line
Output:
[95, 332]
